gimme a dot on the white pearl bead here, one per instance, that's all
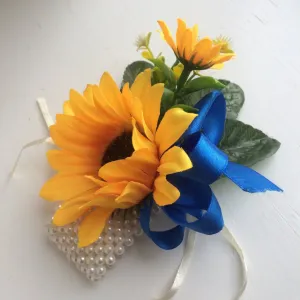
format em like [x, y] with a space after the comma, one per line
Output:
[83, 269]
[138, 231]
[80, 260]
[51, 230]
[118, 223]
[71, 248]
[100, 239]
[127, 223]
[89, 249]
[109, 229]
[119, 250]
[110, 260]
[99, 259]
[65, 229]
[108, 249]
[119, 239]
[60, 229]
[134, 212]
[109, 239]
[134, 222]
[79, 251]
[93, 277]
[62, 239]
[70, 239]
[90, 260]
[99, 248]
[129, 241]
[128, 232]
[101, 271]
[91, 270]
[55, 239]
[118, 231]
[110, 222]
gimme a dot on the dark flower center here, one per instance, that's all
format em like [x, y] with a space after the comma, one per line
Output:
[120, 148]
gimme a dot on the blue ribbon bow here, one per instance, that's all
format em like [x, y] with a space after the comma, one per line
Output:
[196, 199]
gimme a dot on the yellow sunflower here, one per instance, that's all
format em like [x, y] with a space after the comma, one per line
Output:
[197, 54]
[112, 153]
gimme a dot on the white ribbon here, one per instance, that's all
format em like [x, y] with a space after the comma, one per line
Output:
[174, 284]
[42, 103]
[176, 281]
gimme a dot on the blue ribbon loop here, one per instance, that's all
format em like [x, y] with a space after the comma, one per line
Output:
[196, 199]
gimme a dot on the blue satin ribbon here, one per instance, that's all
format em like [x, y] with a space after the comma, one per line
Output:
[196, 199]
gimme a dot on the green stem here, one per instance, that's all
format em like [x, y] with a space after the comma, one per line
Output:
[182, 79]
[151, 53]
[191, 78]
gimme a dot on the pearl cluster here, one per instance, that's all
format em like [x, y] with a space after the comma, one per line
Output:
[94, 260]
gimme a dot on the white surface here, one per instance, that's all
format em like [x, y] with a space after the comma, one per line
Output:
[48, 47]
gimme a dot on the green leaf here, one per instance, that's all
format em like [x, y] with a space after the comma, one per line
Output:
[203, 82]
[167, 101]
[186, 108]
[170, 80]
[133, 70]
[192, 98]
[235, 98]
[233, 94]
[245, 144]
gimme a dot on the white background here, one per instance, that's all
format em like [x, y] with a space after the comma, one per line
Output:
[47, 47]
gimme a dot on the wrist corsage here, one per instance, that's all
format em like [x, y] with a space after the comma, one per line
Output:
[155, 144]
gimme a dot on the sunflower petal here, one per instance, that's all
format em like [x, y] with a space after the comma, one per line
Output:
[187, 42]
[104, 109]
[63, 161]
[83, 109]
[97, 181]
[128, 97]
[139, 141]
[195, 35]
[64, 216]
[173, 161]
[145, 160]
[113, 96]
[164, 192]
[167, 35]
[223, 57]
[133, 193]
[128, 169]
[65, 186]
[69, 143]
[92, 226]
[141, 84]
[88, 94]
[181, 29]
[217, 66]
[67, 109]
[151, 106]
[173, 125]
[114, 188]
[202, 50]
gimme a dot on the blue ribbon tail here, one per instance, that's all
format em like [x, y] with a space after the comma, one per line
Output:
[249, 180]
[166, 240]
